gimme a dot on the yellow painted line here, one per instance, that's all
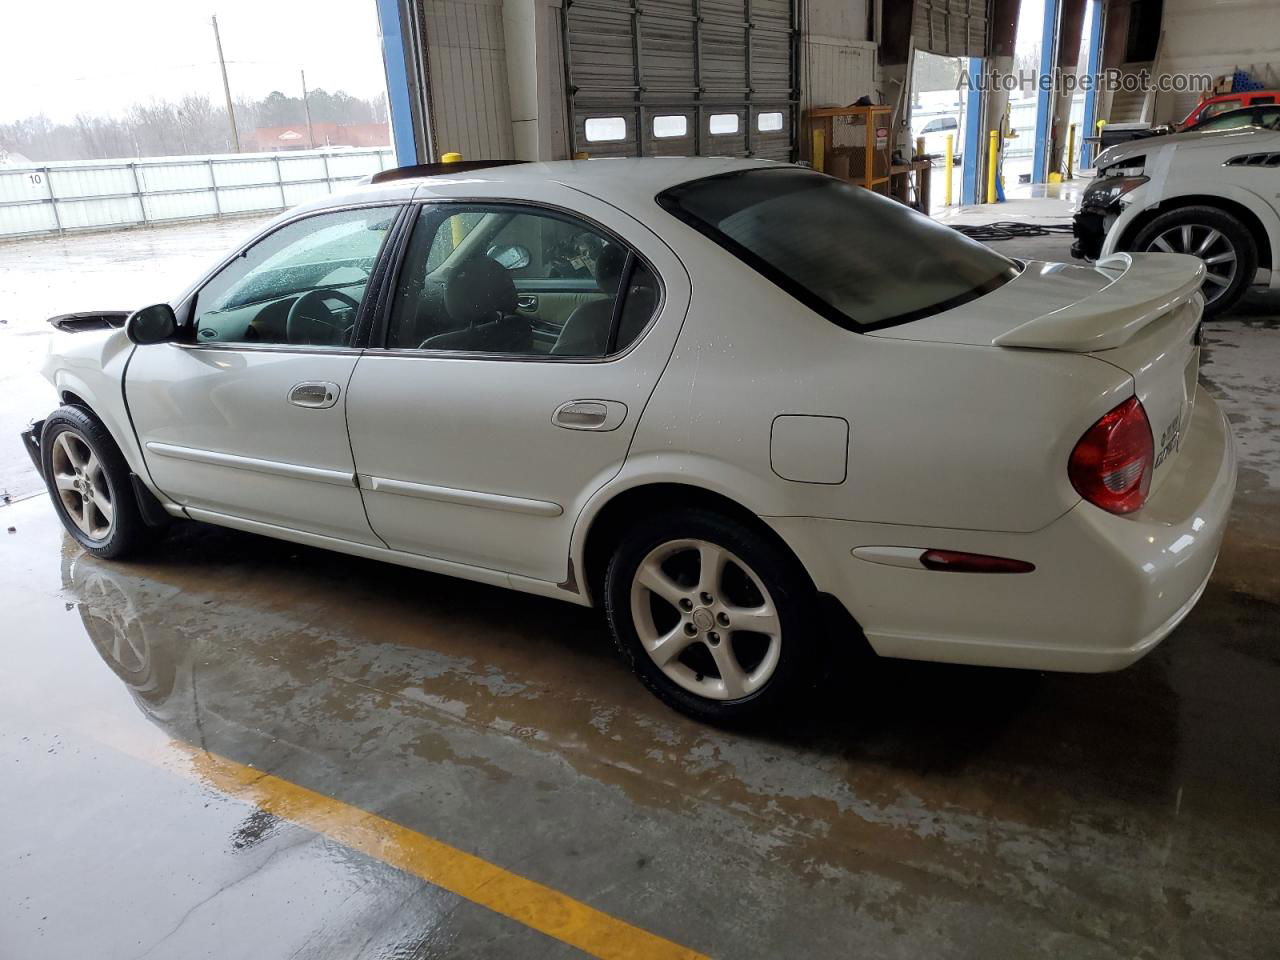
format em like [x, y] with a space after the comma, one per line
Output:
[528, 902]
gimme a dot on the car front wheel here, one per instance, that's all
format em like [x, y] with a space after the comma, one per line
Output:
[717, 620]
[88, 479]
[1224, 244]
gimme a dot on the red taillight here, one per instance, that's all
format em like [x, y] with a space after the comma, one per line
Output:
[1111, 465]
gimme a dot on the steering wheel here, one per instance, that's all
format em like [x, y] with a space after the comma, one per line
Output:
[310, 320]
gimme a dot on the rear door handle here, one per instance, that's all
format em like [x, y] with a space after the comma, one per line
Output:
[316, 394]
[526, 301]
[598, 415]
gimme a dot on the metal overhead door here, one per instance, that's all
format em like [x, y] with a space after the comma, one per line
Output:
[682, 77]
[952, 28]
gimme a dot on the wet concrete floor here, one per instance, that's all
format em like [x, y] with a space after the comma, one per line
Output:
[917, 811]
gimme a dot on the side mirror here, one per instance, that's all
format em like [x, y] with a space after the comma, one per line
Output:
[154, 324]
[510, 256]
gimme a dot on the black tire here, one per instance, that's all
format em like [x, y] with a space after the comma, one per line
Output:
[1218, 297]
[126, 531]
[801, 659]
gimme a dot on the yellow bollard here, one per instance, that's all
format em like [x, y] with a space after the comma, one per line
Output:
[993, 158]
[1071, 150]
[455, 221]
[948, 159]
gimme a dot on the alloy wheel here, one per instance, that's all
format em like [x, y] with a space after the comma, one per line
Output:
[706, 619]
[82, 485]
[1210, 245]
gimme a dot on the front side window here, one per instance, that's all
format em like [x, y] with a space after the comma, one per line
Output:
[858, 258]
[1229, 121]
[513, 280]
[301, 285]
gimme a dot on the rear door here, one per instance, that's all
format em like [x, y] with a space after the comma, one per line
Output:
[481, 445]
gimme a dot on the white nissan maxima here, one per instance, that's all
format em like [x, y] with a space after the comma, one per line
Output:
[709, 396]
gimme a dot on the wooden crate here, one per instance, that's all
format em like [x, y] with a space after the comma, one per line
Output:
[851, 143]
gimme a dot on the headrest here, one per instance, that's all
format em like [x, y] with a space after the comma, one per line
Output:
[478, 291]
[609, 264]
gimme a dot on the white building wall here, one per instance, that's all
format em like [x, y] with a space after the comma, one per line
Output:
[470, 98]
[1216, 37]
[837, 57]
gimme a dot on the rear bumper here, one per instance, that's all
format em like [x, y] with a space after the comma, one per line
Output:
[31, 443]
[1106, 589]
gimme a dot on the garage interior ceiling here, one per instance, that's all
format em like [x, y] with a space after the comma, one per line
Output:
[953, 28]
[696, 59]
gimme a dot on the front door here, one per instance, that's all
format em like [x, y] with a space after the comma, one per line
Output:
[248, 419]
[522, 345]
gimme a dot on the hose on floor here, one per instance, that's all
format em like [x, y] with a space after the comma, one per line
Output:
[1011, 229]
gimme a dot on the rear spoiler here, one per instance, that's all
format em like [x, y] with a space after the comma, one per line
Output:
[1144, 286]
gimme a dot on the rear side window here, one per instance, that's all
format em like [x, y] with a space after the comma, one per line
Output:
[518, 280]
[858, 258]
[1213, 109]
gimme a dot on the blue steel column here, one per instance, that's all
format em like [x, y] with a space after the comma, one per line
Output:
[1044, 98]
[402, 134]
[974, 144]
[1091, 95]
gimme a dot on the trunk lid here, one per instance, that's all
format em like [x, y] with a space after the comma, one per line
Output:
[1137, 312]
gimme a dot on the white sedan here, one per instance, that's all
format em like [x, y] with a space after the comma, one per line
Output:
[717, 398]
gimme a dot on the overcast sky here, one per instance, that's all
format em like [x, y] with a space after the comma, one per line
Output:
[98, 57]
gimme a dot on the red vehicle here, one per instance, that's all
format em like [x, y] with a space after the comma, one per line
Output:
[1229, 101]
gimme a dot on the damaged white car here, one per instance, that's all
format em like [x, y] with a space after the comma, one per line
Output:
[718, 398]
[1207, 193]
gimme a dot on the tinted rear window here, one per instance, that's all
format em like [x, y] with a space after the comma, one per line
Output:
[860, 259]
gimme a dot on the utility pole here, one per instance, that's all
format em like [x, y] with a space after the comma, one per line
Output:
[306, 106]
[226, 87]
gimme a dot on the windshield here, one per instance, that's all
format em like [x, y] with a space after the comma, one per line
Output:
[858, 258]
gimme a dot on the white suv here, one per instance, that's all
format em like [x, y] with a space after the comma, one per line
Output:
[1213, 194]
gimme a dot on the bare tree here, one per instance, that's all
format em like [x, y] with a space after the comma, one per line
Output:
[193, 125]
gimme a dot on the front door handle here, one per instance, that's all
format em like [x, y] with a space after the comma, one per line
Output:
[316, 394]
[599, 415]
[526, 301]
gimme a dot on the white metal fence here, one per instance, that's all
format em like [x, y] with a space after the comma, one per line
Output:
[92, 194]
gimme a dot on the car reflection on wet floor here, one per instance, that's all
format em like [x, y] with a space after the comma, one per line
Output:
[950, 811]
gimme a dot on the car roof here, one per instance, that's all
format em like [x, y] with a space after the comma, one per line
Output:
[1239, 94]
[626, 182]
[1228, 114]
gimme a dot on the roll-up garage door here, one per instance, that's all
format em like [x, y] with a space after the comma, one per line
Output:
[682, 77]
[953, 28]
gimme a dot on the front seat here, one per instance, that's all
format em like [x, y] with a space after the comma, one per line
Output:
[586, 332]
[480, 295]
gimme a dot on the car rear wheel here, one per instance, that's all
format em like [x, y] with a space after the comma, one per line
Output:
[88, 479]
[716, 620]
[1224, 244]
